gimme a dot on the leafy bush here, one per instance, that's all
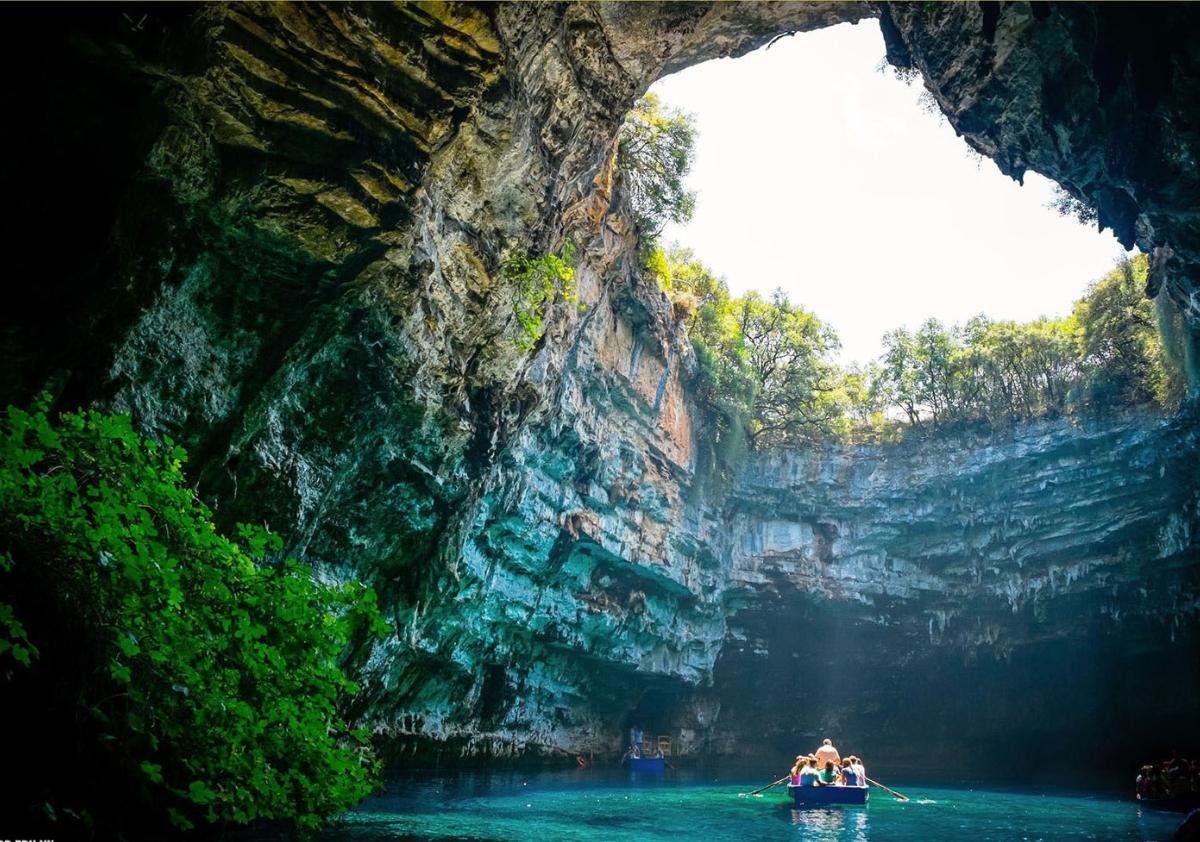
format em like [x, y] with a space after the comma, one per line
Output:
[539, 281]
[193, 677]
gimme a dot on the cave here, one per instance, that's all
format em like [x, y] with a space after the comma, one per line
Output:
[276, 234]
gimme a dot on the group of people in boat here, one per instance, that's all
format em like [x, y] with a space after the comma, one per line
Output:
[825, 767]
[1174, 778]
[638, 748]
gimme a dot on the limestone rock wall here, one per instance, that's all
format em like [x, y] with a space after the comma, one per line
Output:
[980, 592]
[1100, 98]
[287, 224]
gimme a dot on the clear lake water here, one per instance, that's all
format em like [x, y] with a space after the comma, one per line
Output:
[610, 806]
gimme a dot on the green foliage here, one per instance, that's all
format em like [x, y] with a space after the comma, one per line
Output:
[765, 376]
[1119, 339]
[1109, 352]
[654, 154]
[14, 640]
[787, 351]
[763, 364]
[1064, 204]
[196, 664]
[539, 281]
[993, 370]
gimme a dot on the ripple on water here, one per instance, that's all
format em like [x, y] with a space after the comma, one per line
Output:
[588, 806]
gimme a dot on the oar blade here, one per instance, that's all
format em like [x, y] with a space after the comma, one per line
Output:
[898, 795]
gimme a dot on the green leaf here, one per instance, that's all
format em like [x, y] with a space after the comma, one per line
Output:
[153, 771]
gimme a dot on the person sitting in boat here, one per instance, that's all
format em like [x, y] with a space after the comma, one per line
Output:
[829, 775]
[827, 753]
[849, 776]
[859, 770]
[797, 768]
[810, 775]
[1147, 783]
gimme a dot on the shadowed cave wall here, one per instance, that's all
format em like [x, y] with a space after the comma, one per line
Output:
[274, 232]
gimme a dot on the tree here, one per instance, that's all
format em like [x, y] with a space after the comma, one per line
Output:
[177, 675]
[901, 374]
[933, 346]
[1111, 350]
[654, 154]
[787, 349]
[1065, 204]
[862, 396]
[1118, 335]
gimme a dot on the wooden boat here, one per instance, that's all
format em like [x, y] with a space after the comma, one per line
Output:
[820, 796]
[647, 764]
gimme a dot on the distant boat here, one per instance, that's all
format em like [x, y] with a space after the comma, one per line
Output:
[818, 796]
[647, 764]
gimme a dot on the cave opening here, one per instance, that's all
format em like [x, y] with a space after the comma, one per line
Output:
[377, 269]
[823, 171]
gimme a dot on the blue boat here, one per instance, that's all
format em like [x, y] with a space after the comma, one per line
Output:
[647, 764]
[821, 796]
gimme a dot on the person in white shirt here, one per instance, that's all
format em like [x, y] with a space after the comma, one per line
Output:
[860, 770]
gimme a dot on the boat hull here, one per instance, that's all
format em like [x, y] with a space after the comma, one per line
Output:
[820, 796]
[1184, 804]
[647, 764]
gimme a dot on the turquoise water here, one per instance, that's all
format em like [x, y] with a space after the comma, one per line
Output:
[592, 805]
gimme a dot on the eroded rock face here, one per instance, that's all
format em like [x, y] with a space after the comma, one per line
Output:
[289, 258]
[982, 592]
[1100, 98]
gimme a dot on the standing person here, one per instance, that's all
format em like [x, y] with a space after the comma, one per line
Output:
[828, 754]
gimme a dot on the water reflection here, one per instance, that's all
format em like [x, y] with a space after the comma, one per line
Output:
[844, 825]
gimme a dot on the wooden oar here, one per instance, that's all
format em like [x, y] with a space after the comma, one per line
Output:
[765, 788]
[899, 795]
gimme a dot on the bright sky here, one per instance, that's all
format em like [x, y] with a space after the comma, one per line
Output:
[819, 174]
